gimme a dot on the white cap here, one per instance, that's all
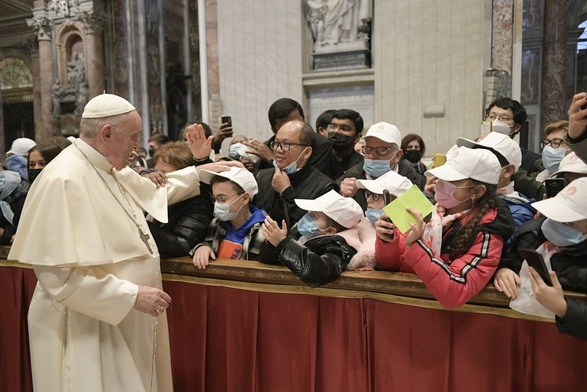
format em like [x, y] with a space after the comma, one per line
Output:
[343, 210]
[395, 183]
[479, 164]
[239, 175]
[106, 105]
[21, 146]
[500, 143]
[571, 163]
[386, 132]
[568, 205]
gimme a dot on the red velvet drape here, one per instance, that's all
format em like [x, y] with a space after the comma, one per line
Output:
[225, 339]
[16, 290]
[287, 342]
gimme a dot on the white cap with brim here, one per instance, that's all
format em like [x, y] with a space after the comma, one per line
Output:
[498, 142]
[571, 163]
[479, 164]
[239, 175]
[568, 205]
[21, 146]
[385, 132]
[395, 183]
[343, 210]
[106, 105]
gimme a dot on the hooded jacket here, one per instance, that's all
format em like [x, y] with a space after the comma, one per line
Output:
[452, 282]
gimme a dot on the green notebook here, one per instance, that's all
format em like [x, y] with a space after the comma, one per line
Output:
[413, 197]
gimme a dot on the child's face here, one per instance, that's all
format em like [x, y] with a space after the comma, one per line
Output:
[321, 220]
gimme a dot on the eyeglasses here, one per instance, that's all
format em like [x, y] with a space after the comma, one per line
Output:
[503, 117]
[223, 198]
[285, 146]
[381, 151]
[554, 143]
[344, 128]
[373, 196]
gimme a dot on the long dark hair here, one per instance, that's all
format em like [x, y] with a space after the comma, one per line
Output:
[466, 234]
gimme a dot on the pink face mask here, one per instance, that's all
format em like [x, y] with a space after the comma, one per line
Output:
[444, 194]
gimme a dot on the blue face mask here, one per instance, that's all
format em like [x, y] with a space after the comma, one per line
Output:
[292, 168]
[376, 168]
[234, 151]
[552, 157]
[222, 210]
[560, 234]
[308, 227]
[373, 214]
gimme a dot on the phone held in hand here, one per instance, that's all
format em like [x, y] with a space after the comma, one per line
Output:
[554, 186]
[226, 120]
[536, 261]
[387, 199]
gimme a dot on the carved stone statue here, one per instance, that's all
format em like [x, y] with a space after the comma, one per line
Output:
[339, 25]
[76, 69]
[58, 91]
[81, 98]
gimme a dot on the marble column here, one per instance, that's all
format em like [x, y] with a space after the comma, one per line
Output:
[43, 28]
[94, 56]
[552, 105]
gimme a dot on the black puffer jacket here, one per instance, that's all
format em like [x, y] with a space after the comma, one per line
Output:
[318, 261]
[188, 222]
[308, 183]
[569, 263]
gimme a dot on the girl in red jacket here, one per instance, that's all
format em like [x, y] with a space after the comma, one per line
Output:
[457, 252]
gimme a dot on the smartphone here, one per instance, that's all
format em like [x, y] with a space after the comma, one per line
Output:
[226, 120]
[386, 197]
[554, 186]
[536, 261]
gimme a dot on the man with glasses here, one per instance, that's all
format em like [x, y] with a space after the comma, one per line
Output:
[381, 154]
[344, 131]
[280, 112]
[292, 176]
[554, 148]
[513, 114]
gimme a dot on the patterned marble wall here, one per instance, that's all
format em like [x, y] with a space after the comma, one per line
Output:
[260, 60]
[429, 53]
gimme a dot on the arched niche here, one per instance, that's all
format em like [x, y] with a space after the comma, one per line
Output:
[70, 45]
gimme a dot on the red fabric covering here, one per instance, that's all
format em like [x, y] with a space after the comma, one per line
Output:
[226, 339]
[16, 290]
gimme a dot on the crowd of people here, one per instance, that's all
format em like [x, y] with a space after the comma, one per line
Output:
[310, 200]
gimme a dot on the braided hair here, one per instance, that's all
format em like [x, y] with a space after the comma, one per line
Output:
[466, 234]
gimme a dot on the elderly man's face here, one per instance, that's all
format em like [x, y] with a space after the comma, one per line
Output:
[288, 147]
[379, 150]
[125, 139]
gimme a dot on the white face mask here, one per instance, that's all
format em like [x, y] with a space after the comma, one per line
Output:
[222, 210]
[501, 127]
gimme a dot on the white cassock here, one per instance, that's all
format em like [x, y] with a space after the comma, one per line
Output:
[89, 259]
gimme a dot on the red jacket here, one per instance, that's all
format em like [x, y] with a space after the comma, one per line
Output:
[455, 282]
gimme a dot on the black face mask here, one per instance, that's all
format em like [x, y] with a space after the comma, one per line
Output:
[151, 152]
[33, 173]
[413, 156]
[339, 142]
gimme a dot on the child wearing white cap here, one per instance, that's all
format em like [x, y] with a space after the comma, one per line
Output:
[560, 236]
[457, 252]
[396, 184]
[509, 154]
[235, 232]
[322, 243]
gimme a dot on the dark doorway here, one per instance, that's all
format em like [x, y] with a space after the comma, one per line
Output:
[18, 121]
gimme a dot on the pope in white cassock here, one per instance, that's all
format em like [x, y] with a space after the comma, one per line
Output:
[96, 321]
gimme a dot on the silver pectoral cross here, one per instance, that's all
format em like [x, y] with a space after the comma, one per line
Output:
[145, 238]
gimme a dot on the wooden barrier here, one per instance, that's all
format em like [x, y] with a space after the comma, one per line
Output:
[246, 326]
